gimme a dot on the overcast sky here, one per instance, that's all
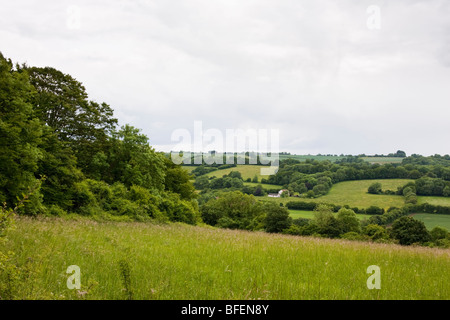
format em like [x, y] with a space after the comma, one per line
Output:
[332, 76]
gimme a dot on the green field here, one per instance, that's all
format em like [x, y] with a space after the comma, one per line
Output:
[433, 220]
[189, 168]
[313, 157]
[264, 185]
[430, 220]
[247, 171]
[295, 214]
[354, 193]
[176, 261]
[439, 201]
[380, 160]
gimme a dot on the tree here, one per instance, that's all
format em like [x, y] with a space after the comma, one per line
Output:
[438, 233]
[177, 180]
[20, 133]
[59, 165]
[234, 210]
[348, 221]
[284, 194]
[201, 182]
[400, 153]
[375, 232]
[259, 191]
[408, 230]
[62, 103]
[375, 188]
[255, 179]
[277, 218]
[326, 221]
[235, 174]
[374, 210]
[133, 162]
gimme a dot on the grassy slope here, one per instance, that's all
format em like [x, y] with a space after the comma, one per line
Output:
[354, 193]
[247, 171]
[434, 220]
[310, 214]
[185, 262]
[440, 201]
[265, 185]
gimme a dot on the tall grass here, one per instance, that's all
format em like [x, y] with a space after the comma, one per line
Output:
[149, 261]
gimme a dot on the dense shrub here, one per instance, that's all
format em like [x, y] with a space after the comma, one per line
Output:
[408, 230]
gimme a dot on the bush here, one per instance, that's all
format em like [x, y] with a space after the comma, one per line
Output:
[352, 236]
[55, 210]
[301, 205]
[327, 223]
[277, 218]
[408, 230]
[348, 221]
[438, 233]
[374, 210]
[375, 188]
[242, 211]
[292, 230]
[375, 232]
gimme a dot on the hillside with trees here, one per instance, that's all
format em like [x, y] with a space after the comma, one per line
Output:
[51, 132]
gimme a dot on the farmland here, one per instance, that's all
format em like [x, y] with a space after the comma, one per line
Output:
[295, 214]
[440, 201]
[247, 171]
[433, 220]
[177, 261]
[354, 194]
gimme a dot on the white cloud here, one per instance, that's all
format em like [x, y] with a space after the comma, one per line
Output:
[311, 68]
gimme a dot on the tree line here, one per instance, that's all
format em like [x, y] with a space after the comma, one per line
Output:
[235, 210]
[49, 128]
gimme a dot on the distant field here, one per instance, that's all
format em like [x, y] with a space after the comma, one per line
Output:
[433, 220]
[382, 160]
[305, 157]
[145, 261]
[440, 201]
[354, 193]
[247, 171]
[295, 214]
[264, 185]
[189, 168]
[430, 220]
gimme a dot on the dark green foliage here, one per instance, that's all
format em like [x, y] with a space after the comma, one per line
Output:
[375, 188]
[376, 232]
[234, 210]
[326, 222]
[177, 179]
[374, 210]
[20, 133]
[201, 183]
[48, 126]
[438, 233]
[301, 205]
[348, 221]
[277, 218]
[408, 230]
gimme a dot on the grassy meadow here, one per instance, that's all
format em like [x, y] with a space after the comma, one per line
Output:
[433, 220]
[439, 201]
[354, 193]
[176, 261]
[295, 214]
[247, 171]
